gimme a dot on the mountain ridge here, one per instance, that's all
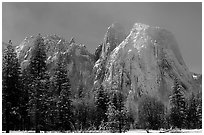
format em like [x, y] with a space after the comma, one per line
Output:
[145, 61]
[78, 60]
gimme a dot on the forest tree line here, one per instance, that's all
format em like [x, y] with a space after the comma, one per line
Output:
[33, 100]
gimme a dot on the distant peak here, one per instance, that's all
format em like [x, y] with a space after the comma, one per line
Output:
[140, 26]
[10, 42]
[116, 27]
[72, 40]
[113, 37]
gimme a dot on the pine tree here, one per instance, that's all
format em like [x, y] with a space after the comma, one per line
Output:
[101, 103]
[111, 115]
[117, 114]
[178, 109]
[151, 113]
[10, 87]
[63, 89]
[65, 108]
[191, 112]
[25, 79]
[60, 75]
[37, 71]
[199, 110]
[194, 115]
[123, 114]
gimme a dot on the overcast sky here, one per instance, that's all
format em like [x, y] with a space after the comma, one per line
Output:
[88, 22]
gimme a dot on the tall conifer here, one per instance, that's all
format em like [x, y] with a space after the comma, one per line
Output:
[10, 87]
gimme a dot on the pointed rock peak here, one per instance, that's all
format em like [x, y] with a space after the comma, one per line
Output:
[26, 38]
[72, 40]
[97, 52]
[117, 27]
[82, 45]
[140, 26]
[115, 30]
[10, 42]
[113, 37]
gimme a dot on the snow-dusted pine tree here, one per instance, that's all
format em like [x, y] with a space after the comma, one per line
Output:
[151, 113]
[117, 114]
[10, 86]
[101, 103]
[37, 71]
[62, 86]
[193, 115]
[178, 105]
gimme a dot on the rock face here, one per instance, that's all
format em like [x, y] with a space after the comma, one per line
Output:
[79, 62]
[113, 37]
[4, 45]
[146, 62]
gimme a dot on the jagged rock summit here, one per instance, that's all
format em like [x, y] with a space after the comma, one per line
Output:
[113, 37]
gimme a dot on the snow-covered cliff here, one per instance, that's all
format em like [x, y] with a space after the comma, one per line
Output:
[147, 62]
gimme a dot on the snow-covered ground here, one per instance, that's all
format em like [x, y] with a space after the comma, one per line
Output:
[172, 131]
[130, 131]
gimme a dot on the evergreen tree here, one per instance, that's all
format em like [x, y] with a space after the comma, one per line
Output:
[60, 75]
[199, 110]
[65, 108]
[151, 113]
[117, 114]
[101, 103]
[178, 107]
[37, 71]
[111, 115]
[25, 80]
[63, 89]
[10, 88]
[193, 112]
[85, 116]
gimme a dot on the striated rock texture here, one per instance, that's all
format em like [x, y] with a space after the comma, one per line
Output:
[113, 37]
[79, 62]
[147, 62]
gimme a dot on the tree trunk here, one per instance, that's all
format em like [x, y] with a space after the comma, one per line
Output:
[120, 127]
[7, 120]
[37, 130]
